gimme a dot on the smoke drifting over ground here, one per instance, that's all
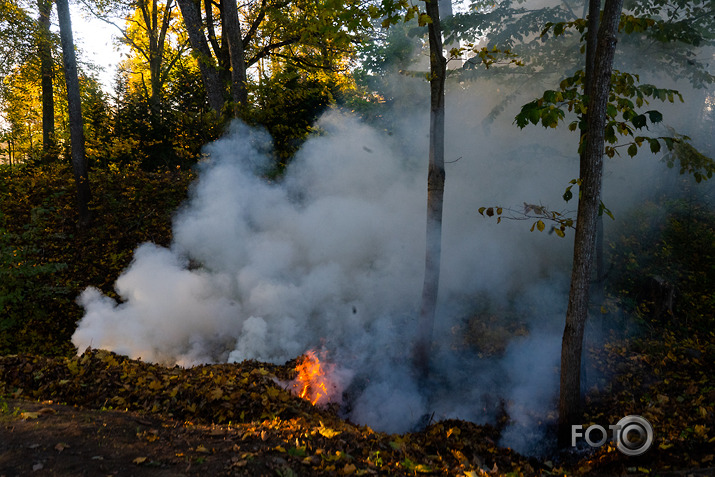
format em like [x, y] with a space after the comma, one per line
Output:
[332, 257]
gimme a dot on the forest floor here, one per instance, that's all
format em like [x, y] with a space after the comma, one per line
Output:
[125, 417]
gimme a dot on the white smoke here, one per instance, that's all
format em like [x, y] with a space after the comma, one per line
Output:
[332, 256]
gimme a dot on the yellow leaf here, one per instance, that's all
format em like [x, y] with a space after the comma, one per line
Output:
[540, 225]
[460, 457]
[203, 450]
[29, 415]
[139, 460]
[349, 469]
[215, 394]
[327, 432]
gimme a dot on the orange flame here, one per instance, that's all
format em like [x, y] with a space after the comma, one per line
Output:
[312, 382]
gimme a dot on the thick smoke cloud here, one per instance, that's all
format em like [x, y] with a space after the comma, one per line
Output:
[332, 255]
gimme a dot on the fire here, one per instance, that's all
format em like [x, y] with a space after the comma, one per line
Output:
[312, 382]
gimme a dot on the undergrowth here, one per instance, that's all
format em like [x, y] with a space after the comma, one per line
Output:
[45, 261]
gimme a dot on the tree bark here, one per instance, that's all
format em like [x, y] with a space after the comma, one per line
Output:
[46, 70]
[74, 105]
[191, 12]
[435, 192]
[594, 11]
[591, 171]
[232, 27]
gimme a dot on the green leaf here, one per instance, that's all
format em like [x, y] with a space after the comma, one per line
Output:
[534, 116]
[654, 116]
[654, 146]
[639, 121]
[611, 110]
[632, 150]
[568, 195]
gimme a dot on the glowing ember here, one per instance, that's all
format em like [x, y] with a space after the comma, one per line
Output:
[312, 382]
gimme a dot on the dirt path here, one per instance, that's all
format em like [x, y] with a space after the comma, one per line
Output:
[44, 439]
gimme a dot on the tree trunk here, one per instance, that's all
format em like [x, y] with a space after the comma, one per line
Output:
[48, 100]
[594, 11]
[74, 105]
[435, 192]
[232, 27]
[191, 12]
[591, 170]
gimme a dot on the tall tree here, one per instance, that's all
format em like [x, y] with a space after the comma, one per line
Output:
[232, 27]
[591, 172]
[304, 34]
[435, 190]
[150, 30]
[74, 106]
[191, 11]
[47, 73]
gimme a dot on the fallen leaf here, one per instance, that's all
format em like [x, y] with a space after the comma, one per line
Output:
[139, 460]
[203, 450]
[61, 446]
[327, 432]
[29, 415]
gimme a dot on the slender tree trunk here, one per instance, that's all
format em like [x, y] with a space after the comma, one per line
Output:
[435, 192]
[48, 101]
[232, 27]
[74, 105]
[156, 54]
[584, 242]
[191, 12]
[594, 10]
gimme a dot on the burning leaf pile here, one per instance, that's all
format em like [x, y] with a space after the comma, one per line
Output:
[312, 382]
[265, 422]
[254, 425]
[100, 379]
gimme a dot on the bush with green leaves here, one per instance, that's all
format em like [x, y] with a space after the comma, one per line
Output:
[25, 284]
